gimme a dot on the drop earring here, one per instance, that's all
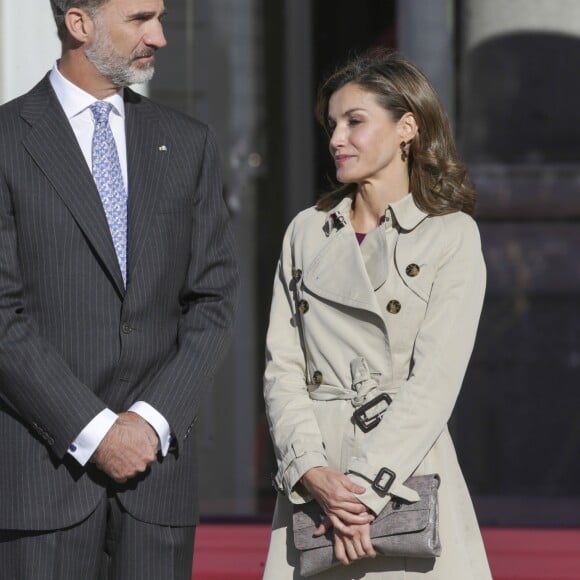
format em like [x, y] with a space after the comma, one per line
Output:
[404, 154]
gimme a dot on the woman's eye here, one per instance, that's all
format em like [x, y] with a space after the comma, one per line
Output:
[353, 121]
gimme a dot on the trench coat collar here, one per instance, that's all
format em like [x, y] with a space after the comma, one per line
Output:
[407, 214]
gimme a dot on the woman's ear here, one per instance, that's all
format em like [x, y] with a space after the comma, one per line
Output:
[79, 24]
[407, 127]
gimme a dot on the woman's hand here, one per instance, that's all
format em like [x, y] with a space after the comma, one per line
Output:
[336, 495]
[354, 546]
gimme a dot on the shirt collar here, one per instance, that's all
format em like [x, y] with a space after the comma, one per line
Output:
[75, 101]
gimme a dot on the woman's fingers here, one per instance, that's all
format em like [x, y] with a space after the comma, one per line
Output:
[323, 528]
[351, 519]
[351, 549]
[333, 490]
[363, 537]
[339, 550]
[355, 545]
[339, 525]
[352, 486]
[347, 503]
[342, 521]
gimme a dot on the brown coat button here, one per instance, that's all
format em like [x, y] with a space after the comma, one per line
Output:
[317, 377]
[303, 306]
[412, 270]
[393, 307]
[296, 274]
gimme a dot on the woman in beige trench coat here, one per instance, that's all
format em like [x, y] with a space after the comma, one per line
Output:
[377, 289]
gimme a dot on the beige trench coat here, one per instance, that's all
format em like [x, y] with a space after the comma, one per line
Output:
[413, 317]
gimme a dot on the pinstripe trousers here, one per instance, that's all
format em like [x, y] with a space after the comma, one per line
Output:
[109, 545]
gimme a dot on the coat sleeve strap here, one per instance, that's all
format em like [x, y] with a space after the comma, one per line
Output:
[371, 474]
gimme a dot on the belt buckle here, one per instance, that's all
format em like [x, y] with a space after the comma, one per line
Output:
[383, 487]
[368, 422]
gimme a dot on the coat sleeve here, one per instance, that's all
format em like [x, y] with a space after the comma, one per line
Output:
[36, 384]
[208, 302]
[297, 439]
[443, 346]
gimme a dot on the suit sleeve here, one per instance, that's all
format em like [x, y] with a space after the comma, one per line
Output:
[295, 432]
[420, 411]
[36, 384]
[208, 299]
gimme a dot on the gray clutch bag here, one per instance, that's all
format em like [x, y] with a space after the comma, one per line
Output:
[401, 529]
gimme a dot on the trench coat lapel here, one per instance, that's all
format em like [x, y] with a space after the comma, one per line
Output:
[338, 271]
[53, 146]
[148, 154]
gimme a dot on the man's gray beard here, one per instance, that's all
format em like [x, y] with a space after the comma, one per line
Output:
[114, 67]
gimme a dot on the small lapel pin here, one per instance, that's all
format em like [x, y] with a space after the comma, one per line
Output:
[162, 148]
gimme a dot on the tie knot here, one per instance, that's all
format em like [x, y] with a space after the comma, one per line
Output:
[100, 111]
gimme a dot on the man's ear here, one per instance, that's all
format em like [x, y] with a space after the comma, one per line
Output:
[407, 127]
[79, 24]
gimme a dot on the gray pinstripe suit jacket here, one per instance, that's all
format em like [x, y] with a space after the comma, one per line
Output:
[72, 341]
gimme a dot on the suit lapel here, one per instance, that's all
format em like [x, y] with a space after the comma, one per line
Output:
[148, 153]
[53, 146]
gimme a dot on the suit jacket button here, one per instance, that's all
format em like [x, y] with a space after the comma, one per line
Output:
[412, 270]
[126, 328]
[297, 274]
[303, 306]
[394, 307]
[317, 377]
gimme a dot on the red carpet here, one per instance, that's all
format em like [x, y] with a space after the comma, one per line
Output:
[237, 552]
[230, 552]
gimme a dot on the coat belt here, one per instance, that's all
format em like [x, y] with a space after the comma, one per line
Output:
[364, 386]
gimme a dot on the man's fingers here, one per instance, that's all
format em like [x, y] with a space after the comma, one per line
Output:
[127, 449]
[122, 466]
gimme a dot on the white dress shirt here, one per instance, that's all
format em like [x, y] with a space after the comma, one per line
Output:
[75, 103]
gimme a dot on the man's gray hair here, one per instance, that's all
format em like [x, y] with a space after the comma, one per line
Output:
[61, 7]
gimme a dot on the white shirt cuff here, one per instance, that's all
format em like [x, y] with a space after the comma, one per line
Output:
[87, 441]
[157, 421]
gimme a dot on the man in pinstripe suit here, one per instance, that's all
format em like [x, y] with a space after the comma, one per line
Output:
[104, 360]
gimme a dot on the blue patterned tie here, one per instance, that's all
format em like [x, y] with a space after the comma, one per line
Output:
[109, 180]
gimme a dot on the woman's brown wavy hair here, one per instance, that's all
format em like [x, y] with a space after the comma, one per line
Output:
[438, 180]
